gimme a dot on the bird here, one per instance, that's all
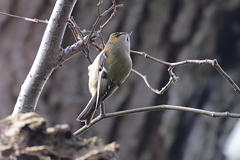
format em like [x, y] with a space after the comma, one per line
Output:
[107, 72]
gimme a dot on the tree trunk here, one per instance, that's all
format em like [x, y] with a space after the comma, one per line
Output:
[169, 30]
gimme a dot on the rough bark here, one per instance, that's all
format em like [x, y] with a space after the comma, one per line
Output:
[26, 136]
[170, 30]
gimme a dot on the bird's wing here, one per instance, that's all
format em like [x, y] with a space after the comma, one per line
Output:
[106, 86]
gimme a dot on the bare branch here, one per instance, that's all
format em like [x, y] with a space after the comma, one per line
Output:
[213, 63]
[96, 46]
[74, 49]
[155, 108]
[103, 44]
[172, 80]
[112, 15]
[226, 76]
[78, 35]
[47, 58]
[113, 7]
[150, 57]
[25, 18]
[75, 29]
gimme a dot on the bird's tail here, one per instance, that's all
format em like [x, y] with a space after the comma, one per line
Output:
[87, 114]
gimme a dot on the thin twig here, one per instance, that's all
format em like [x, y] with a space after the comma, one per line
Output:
[87, 51]
[154, 108]
[74, 49]
[103, 44]
[78, 35]
[112, 15]
[71, 27]
[213, 63]
[25, 18]
[206, 61]
[150, 57]
[77, 31]
[226, 76]
[172, 80]
[113, 7]
[96, 46]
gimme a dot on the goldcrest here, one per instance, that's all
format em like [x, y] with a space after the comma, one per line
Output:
[108, 71]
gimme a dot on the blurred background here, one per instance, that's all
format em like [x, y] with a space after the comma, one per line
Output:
[171, 30]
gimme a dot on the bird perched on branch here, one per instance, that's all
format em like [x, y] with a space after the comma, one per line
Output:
[108, 71]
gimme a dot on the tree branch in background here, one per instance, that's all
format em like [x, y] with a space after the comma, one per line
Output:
[155, 108]
[25, 18]
[75, 48]
[172, 80]
[114, 6]
[50, 56]
[213, 63]
[101, 15]
[75, 29]
[79, 36]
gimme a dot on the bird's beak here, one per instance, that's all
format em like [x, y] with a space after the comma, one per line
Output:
[130, 33]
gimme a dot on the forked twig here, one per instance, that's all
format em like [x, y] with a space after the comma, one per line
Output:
[112, 15]
[72, 28]
[75, 29]
[100, 15]
[78, 35]
[172, 80]
[213, 63]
